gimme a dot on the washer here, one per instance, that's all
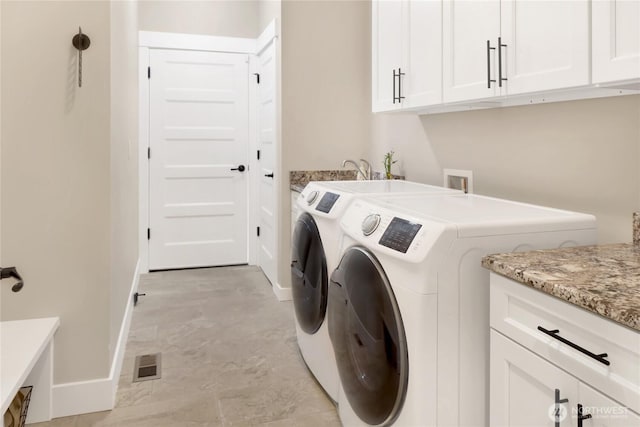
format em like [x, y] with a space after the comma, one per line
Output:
[315, 253]
[409, 302]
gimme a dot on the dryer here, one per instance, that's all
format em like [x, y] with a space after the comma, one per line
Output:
[409, 302]
[315, 249]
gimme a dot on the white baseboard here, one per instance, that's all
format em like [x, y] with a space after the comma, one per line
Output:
[100, 394]
[283, 294]
[118, 356]
[82, 397]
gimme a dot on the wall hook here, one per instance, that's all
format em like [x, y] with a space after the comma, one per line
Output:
[81, 42]
[8, 272]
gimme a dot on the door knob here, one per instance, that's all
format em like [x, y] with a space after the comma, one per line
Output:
[269, 175]
[8, 272]
[240, 168]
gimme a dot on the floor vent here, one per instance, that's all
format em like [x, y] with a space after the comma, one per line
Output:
[147, 367]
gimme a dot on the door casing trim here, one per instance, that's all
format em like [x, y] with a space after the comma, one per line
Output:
[148, 40]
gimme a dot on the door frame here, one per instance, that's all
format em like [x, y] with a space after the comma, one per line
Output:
[270, 36]
[148, 40]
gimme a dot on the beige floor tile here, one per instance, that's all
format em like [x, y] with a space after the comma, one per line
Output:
[59, 422]
[229, 357]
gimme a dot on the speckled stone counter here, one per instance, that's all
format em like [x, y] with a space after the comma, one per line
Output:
[603, 279]
[299, 179]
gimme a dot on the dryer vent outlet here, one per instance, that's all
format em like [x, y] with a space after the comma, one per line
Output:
[458, 179]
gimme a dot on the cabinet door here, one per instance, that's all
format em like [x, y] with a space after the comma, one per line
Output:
[523, 387]
[604, 411]
[547, 44]
[467, 25]
[616, 40]
[423, 80]
[386, 52]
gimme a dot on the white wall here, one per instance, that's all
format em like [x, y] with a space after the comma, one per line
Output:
[580, 155]
[231, 18]
[124, 158]
[69, 174]
[268, 10]
[56, 176]
[325, 94]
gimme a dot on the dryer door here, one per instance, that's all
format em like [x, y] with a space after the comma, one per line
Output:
[368, 338]
[308, 275]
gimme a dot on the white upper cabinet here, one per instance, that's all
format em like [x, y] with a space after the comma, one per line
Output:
[451, 55]
[468, 64]
[422, 85]
[546, 45]
[406, 54]
[616, 40]
[386, 56]
[513, 46]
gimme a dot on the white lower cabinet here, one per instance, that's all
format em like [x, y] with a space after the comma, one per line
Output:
[554, 364]
[602, 411]
[527, 390]
[523, 387]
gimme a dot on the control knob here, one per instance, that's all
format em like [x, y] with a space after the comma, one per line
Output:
[370, 224]
[311, 197]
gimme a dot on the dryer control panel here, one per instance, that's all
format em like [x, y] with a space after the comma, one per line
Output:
[399, 234]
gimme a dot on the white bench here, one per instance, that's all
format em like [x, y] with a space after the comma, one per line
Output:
[26, 358]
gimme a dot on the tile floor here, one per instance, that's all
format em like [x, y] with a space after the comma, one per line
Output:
[229, 357]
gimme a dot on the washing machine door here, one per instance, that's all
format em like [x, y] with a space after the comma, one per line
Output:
[368, 338]
[309, 278]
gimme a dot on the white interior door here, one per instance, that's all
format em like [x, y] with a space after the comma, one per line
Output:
[267, 126]
[198, 133]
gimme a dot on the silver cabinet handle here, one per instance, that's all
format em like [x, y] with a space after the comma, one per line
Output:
[489, 79]
[500, 46]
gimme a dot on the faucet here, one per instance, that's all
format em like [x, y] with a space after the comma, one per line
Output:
[367, 167]
[363, 170]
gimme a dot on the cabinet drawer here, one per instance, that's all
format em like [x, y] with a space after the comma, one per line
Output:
[519, 311]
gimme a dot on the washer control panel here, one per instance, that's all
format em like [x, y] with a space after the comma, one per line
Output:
[399, 234]
[326, 203]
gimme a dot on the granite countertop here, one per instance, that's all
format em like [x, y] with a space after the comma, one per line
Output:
[604, 279]
[299, 179]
